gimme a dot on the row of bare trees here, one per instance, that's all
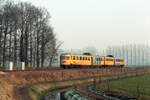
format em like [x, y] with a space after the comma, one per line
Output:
[26, 35]
[134, 54]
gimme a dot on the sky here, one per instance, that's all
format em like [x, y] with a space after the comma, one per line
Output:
[98, 23]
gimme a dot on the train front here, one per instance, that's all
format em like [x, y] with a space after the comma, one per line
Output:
[64, 61]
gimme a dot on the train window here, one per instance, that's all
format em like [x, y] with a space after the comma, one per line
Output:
[73, 57]
[80, 58]
[88, 58]
[121, 60]
[118, 60]
[109, 59]
[96, 59]
[77, 58]
[83, 58]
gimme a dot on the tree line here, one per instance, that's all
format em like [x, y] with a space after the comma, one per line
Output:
[134, 54]
[26, 35]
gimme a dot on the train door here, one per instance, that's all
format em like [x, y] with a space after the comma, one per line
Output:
[91, 60]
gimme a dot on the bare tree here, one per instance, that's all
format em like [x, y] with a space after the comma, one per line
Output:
[25, 34]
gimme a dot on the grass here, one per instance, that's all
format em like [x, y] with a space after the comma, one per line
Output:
[134, 87]
[38, 91]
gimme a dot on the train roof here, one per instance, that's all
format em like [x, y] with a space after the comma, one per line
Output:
[75, 54]
[91, 55]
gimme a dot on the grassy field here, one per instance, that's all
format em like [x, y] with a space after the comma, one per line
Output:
[138, 87]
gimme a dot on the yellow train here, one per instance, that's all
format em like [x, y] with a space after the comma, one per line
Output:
[73, 60]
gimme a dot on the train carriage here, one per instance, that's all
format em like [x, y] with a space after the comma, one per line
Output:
[74, 60]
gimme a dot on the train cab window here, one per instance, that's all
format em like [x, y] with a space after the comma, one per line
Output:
[67, 58]
[62, 57]
[73, 57]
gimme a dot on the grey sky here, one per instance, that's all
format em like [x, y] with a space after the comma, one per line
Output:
[99, 23]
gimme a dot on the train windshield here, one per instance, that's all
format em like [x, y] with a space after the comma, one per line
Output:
[64, 58]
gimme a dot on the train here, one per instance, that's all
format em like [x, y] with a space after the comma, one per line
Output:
[88, 61]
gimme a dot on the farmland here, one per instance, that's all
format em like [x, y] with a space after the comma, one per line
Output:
[137, 87]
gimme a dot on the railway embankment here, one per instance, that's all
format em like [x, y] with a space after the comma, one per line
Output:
[32, 85]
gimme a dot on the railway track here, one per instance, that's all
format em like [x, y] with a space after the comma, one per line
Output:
[48, 69]
[56, 69]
